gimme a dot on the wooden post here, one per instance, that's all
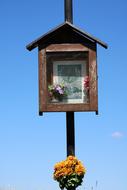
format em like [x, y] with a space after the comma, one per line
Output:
[68, 11]
[70, 130]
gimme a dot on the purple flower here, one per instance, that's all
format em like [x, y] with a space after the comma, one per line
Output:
[58, 88]
[57, 91]
[61, 91]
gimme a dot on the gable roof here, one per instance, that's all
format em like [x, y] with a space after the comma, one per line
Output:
[61, 27]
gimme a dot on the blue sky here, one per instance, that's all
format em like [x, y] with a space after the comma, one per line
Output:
[30, 145]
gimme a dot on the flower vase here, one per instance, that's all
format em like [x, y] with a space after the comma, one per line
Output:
[55, 100]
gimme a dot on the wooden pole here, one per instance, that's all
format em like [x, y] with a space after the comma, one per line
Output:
[68, 9]
[70, 130]
[70, 125]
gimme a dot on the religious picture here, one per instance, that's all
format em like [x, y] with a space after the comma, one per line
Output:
[70, 74]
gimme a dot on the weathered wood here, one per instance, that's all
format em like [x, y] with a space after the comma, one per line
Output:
[70, 133]
[46, 59]
[42, 81]
[60, 107]
[66, 55]
[68, 11]
[66, 48]
[93, 80]
[64, 33]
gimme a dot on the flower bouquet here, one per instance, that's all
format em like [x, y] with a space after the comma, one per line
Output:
[69, 173]
[57, 92]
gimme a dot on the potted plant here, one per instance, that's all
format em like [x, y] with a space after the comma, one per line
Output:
[69, 173]
[57, 92]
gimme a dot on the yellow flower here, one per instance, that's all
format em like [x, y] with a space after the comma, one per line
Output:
[69, 171]
[80, 170]
[70, 158]
[69, 166]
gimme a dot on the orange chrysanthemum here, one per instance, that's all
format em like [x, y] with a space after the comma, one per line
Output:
[70, 166]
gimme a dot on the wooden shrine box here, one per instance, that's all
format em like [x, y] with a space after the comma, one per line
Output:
[67, 70]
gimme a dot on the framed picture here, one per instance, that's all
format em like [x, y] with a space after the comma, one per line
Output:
[71, 73]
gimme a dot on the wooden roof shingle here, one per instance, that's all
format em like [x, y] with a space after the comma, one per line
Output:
[64, 26]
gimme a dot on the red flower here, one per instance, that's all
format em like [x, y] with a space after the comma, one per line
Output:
[86, 82]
